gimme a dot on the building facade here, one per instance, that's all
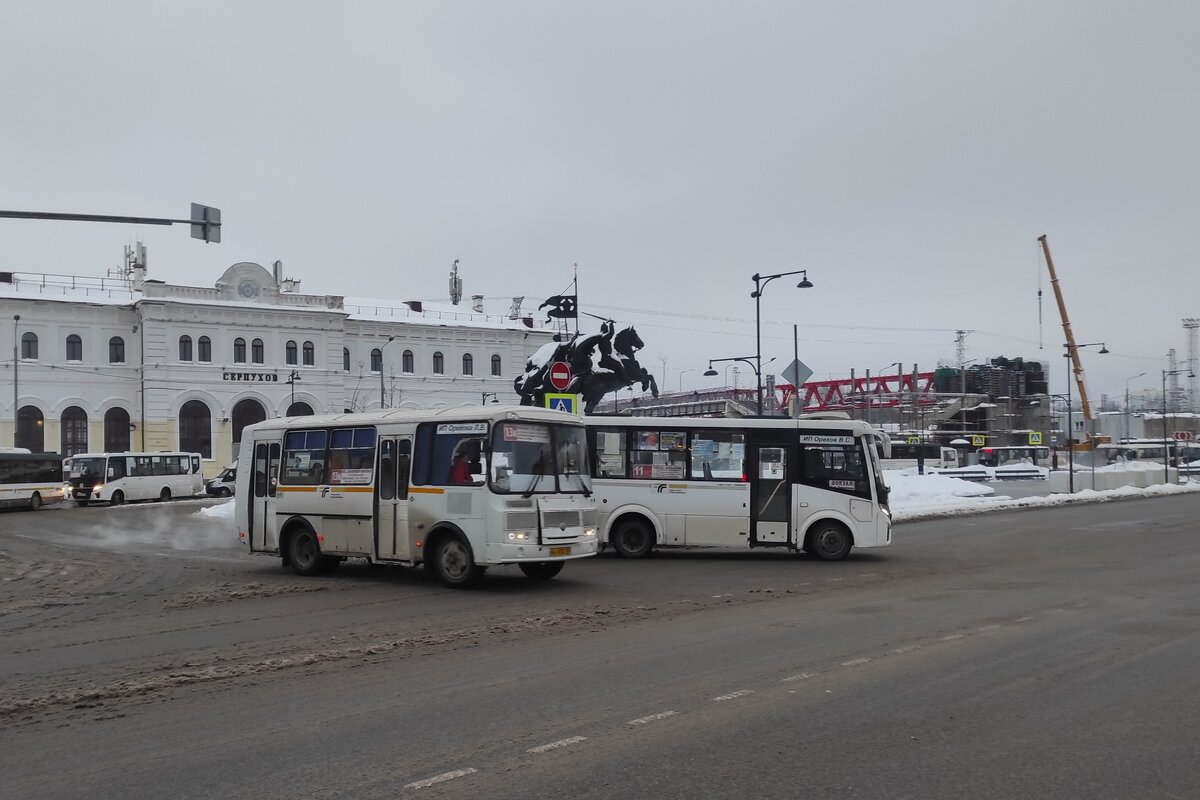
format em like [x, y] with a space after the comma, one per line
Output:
[138, 364]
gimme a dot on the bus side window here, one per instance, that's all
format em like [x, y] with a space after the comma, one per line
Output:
[403, 461]
[273, 470]
[116, 468]
[260, 470]
[195, 464]
[387, 469]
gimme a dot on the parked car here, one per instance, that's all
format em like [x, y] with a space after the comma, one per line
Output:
[222, 485]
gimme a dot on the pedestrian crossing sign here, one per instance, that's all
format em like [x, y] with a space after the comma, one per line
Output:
[562, 402]
[977, 440]
[1035, 437]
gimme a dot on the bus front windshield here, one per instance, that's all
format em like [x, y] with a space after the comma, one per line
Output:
[535, 458]
[87, 469]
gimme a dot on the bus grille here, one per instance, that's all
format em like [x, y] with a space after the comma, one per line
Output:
[520, 520]
[556, 519]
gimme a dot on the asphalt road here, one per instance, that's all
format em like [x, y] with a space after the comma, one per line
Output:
[1047, 653]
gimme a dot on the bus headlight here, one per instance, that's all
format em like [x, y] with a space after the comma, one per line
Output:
[519, 536]
[97, 487]
[589, 531]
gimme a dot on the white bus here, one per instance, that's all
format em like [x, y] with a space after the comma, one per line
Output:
[456, 489]
[117, 478]
[29, 479]
[801, 484]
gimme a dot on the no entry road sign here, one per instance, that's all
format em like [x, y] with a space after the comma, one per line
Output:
[560, 375]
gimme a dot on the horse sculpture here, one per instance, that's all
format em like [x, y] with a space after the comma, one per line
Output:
[617, 367]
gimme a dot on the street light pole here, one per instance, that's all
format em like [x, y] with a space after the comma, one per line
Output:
[747, 360]
[760, 283]
[381, 370]
[1127, 380]
[1168, 437]
[1072, 350]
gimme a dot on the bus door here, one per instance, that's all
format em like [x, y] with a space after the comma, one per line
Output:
[770, 491]
[263, 535]
[391, 497]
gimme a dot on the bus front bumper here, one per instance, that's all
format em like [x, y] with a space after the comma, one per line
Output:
[506, 553]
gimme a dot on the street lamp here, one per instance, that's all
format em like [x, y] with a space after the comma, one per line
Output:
[760, 282]
[1167, 438]
[1073, 354]
[292, 380]
[495, 399]
[681, 377]
[748, 361]
[381, 370]
[1127, 380]
[1070, 452]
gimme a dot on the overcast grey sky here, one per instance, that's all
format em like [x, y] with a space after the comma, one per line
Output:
[907, 154]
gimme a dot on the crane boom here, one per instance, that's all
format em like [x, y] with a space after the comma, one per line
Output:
[1072, 350]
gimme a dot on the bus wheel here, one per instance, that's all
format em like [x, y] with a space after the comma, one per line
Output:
[223, 492]
[633, 539]
[455, 565]
[35, 502]
[305, 553]
[829, 541]
[118, 497]
[541, 570]
[164, 495]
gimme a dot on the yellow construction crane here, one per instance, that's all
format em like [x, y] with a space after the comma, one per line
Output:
[1072, 347]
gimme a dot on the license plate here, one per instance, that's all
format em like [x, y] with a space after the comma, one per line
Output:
[560, 551]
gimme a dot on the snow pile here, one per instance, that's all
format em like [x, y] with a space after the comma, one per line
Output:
[222, 510]
[1123, 466]
[929, 497]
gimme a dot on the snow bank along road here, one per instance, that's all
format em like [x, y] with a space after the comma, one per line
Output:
[1042, 653]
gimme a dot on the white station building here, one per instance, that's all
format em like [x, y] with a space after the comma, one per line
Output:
[128, 363]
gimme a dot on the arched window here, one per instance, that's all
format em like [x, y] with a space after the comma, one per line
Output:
[299, 409]
[116, 350]
[495, 366]
[74, 348]
[376, 360]
[468, 364]
[204, 346]
[74, 432]
[31, 429]
[185, 348]
[256, 351]
[289, 353]
[345, 359]
[195, 428]
[407, 362]
[309, 354]
[116, 430]
[239, 350]
[29, 346]
[245, 412]
[439, 364]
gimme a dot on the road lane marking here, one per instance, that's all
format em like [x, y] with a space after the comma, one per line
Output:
[733, 695]
[951, 637]
[555, 745]
[854, 662]
[991, 627]
[652, 717]
[908, 648]
[445, 776]
[868, 575]
[1022, 619]
[803, 676]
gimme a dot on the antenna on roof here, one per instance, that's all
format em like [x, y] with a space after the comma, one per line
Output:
[455, 284]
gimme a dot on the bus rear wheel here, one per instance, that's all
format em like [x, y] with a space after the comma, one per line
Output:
[35, 502]
[304, 553]
[455, 564]
[118, 497]
[633, 538]
[829, 541]
[164, 495]
[541, 570]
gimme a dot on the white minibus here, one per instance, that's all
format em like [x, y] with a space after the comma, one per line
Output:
[117, 478]
[798, 484]
[458, 490]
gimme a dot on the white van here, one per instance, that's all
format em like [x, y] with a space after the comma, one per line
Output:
[223, 484]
